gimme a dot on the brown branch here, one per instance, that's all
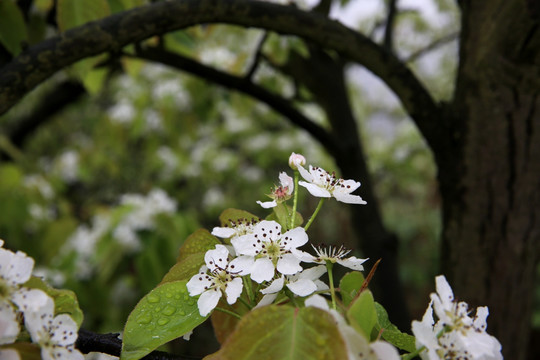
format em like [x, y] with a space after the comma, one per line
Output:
[42, 60]
[390, 21]
[241, 84]
[435, 44]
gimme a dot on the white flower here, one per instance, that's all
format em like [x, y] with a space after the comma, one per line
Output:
[333, 255]
[271, 250]
[56, 335]
[322, 184]
[217, 277]
[280, 193]
[15, 269]
[303, 283]
[358, 347]
[462, 336]
[236, 229]
[296, 160]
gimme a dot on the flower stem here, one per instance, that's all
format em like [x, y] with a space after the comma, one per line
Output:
[319, 206]
[246, 304]
[295, 199]
[249, 289]
[232, 313]
[329, 266]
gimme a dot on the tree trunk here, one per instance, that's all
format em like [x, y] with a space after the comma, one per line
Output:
[490, 175]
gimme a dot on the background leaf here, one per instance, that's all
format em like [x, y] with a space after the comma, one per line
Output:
[12, 27]
[164, 314]
[391, 333]
[284, 333]
[362, 315]
[349, 285]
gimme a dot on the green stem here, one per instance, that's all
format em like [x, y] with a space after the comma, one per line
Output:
[329, 266]
[232, 313]
[319, 206]
[248, 305]
[249, 289]
[295, 198]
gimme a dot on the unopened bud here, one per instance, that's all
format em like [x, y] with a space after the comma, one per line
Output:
[296, 160]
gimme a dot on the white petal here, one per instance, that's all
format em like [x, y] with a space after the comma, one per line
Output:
[352, 263]
[15, 268]
[31, 300]
[348, 186]
[268, 230]
[305, 174]
[313, 273]
[302, 287]
[263, 270]
[317, 301]
[444, 291]
[384, 350]
[348, 198]
[223, 232]
[1, 243]
[305, 257]
[286, 182]
[65, 332]
[266, 300]
[187, 335]
[288, 264]
[233, 290]
[217, 258]
[315, 190]
[275, 286]
[267, 204]
[198, 284]
[208, 301]
[242, 265]
[9, 326]
[246, 245]
[321, 285]
[482, 313]
[294, 238]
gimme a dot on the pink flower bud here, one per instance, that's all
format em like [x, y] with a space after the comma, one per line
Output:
[296, 160]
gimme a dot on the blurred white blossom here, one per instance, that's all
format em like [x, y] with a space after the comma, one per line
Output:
[123, 112]
[38, 182]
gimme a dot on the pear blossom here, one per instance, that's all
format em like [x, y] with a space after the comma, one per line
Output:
[296, 160]
[15, 270]
[9, 354]
[455, 334]
[271, 250]
[332, 255]
[280, 193]
[236, 229]
[303, 283]
[218, 276]
[358, 347]
[320, 183]
[56, 335]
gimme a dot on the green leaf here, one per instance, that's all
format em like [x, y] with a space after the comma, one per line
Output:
[65, 301]
[362, 314]
[349, 285]
[284, 333]
[391, 333]
[94, 79]
[191, 256]
[12, 27]
[164, 314]
[72, 13]
[229, 215]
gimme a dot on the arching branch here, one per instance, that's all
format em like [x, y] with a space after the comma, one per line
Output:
[40, 61]
[241, 84]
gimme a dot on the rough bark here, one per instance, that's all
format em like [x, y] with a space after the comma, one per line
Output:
[490, 179]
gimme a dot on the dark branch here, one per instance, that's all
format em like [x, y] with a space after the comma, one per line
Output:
[390, 21]
[240, 84]
[257, 57]
[88, 341]
[58, 98]
[439, 42]
[40, 61]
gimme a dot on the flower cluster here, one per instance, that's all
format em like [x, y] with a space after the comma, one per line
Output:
[268, 252]
[455, 335]
[55, 335]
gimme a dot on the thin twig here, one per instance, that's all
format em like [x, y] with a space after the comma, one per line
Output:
[439, 42]
[258, 57]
